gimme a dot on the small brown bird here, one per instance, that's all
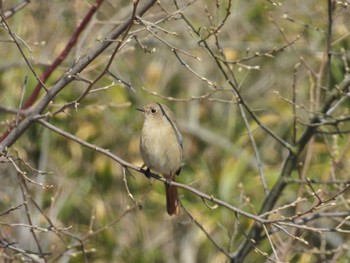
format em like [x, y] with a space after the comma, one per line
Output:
[161, 148]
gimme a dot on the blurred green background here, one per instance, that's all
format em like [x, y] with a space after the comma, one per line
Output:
[88, 189]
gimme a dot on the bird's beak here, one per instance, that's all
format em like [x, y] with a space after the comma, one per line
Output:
[140, 109]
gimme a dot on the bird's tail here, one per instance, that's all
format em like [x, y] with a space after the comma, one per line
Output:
[172, 199]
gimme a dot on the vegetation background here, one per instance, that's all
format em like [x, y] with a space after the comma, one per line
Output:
[261, 94]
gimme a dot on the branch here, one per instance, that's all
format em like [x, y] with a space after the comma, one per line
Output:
[71, 43]
[147, 173]
[67, 78]
[12, 11]
[288, 167]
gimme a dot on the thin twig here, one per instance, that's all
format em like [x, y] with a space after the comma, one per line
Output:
[155, 176]
[201, 227]
[9, 139]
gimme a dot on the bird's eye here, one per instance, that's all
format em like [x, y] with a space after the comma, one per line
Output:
[153, 110]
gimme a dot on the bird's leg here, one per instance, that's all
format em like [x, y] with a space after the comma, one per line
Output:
[168, 182]
[147, 171]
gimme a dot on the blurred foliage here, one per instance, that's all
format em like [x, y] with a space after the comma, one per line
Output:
[88, 191]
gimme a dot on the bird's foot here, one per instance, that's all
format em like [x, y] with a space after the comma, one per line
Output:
[147, 171]
[168, 182]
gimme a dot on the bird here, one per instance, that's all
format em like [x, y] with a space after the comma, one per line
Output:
[161, 146]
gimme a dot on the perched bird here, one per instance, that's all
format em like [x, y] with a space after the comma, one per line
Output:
[161, 148]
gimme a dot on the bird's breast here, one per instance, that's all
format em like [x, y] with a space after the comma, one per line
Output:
[160, 148]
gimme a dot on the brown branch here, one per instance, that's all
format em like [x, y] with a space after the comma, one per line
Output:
[216, 244]
[80, 65]
[117, 48]
[41, 80]
[289, 166]
[12, 11]
[25, 194]
[234, 85]
[17, 41]
[11, 209]
[71, 43]
[155, 176]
